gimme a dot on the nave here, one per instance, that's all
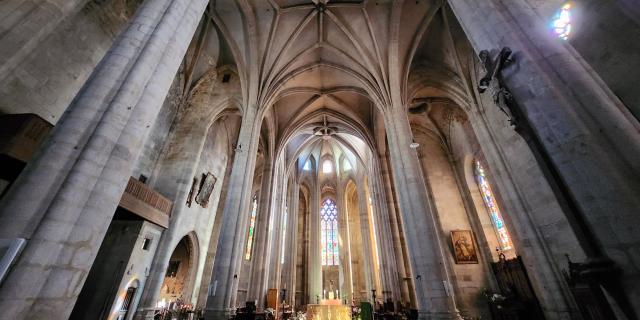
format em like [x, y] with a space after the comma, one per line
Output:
[319, 159]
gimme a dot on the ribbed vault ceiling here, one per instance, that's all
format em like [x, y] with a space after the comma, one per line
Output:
[309, 61]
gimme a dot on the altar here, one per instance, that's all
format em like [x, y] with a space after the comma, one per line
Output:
[329, 311]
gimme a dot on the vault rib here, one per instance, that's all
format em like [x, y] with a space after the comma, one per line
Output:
[272, 31]
[359, 47]
[300, 27]
[385, 76]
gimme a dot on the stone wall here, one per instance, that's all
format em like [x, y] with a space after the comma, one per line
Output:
[470, 279]
[600, 34]
[50, 76]
[213, 159]
[156, 141]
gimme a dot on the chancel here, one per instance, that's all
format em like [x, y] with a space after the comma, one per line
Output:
[319, 159]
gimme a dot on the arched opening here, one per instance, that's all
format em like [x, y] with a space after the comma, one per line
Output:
[358, 285]
[126, 302]
[330, 249]
[492, 207]
[178, 279]
[329, 233]
[252, 228]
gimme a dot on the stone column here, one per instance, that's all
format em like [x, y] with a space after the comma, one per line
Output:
[292, 251]
[257, 287]
[580, 123]
[213, 242]
[367, 243]
[315, 258]
[356, 259]
[230, 249]
[399, 247]
[376, 227]
[434, 299]
[391, 283]
[344, 245]
[67, 195]
[271, 274]
[276, 235]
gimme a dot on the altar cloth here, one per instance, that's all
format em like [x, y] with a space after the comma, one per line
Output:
[328, 312]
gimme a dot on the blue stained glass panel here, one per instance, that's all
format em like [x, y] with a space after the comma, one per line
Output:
[494, 211]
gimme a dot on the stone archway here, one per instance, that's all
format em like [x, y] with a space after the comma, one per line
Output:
[177, 286]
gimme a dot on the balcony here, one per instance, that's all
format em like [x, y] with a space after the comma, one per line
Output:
[145, 202]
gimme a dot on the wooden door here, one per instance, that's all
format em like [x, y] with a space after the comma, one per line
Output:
[272, 299]
[521, 302]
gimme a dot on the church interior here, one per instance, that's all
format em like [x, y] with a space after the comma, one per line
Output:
[319, 159]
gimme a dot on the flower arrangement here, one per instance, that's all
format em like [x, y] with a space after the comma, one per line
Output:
[300, 316]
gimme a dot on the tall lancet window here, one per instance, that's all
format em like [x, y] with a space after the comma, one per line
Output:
[327, 166]
[252, 227]
[492, 206]
[329, 233]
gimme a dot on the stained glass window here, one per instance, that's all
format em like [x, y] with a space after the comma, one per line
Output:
[347, 165]
[252, 228]
[329, 233]
[561, 24]
[327, 166]
[492, 206]
[307, 166]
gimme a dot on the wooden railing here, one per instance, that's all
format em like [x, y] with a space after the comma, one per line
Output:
[146, 203]
[22, 134]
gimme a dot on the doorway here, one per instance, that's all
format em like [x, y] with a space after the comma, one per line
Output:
[177, 284]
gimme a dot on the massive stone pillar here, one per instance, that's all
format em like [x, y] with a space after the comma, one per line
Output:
[399, 249]
[291, 252]
[344, 245]
[257, 284]
[302, 239]
[66, 197]
[315, 258]
[389, 267]
[213, 241]
[434, 297]
[368, 247]
[276, 233]
[230, 249]
[580, 123]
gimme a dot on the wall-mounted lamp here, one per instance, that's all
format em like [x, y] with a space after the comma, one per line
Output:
[414, 144]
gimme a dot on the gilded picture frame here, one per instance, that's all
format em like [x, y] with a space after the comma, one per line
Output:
[464, 247]
[206, 188]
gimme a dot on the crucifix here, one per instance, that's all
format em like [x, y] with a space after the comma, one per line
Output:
[598, 269]
[492, 81]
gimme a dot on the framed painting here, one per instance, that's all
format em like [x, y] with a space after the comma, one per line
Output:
[206, 188]
[464, 248]
[192, 191]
